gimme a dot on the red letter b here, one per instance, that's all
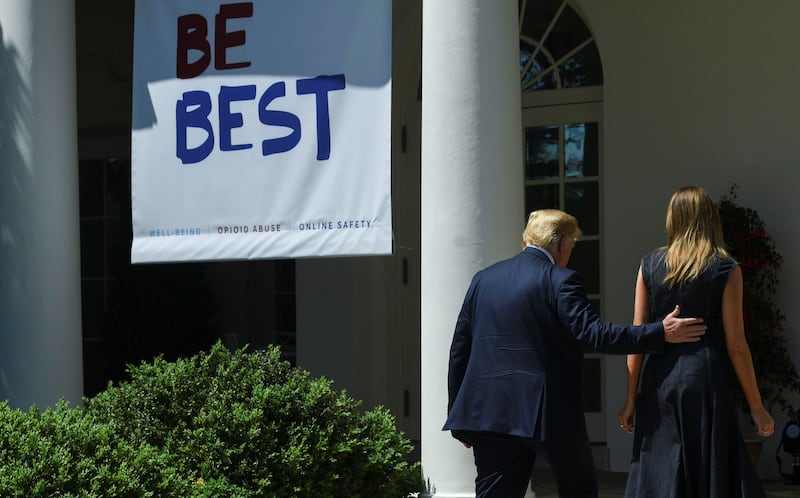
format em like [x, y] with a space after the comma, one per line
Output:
[192, 33]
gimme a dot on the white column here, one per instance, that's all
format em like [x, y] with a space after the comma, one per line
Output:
[40, 291]
[472, 191]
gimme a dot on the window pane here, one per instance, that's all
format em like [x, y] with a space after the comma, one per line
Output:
[568, 33]
[540, 197]
[541, 152]
[118, 180]
[90, 177]
[92, 248]
[574, 138]
[586, 260]
[581, 200]
[92, 308]
[580, 150]
[582, 69]
[538, 15]
[285, 275]
[541, 63]
[286, 306]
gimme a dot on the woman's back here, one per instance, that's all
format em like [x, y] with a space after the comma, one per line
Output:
[687, 442]
[700, 297]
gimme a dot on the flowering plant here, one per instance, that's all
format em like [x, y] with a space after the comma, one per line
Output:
[752, 246]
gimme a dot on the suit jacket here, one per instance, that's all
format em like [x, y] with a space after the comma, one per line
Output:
[517, 351]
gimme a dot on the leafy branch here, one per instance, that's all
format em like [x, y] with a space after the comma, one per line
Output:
[755, 250]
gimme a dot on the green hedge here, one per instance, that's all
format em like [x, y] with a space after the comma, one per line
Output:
[219, 424]
[62, 452]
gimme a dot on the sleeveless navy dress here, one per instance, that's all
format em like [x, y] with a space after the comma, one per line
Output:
[687, 442]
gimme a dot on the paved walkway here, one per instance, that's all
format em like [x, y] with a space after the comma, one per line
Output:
[612, 485]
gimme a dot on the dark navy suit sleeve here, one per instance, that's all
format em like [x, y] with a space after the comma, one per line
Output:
[576, 314]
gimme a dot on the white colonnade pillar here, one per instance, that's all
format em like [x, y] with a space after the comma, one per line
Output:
[40, 291]
[472, 192]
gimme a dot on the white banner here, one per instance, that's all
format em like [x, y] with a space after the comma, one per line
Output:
[261, 129]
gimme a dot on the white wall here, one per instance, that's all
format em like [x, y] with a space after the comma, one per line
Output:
[695, 93]
[342, 324]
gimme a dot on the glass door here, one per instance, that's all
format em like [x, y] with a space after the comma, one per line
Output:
[562, 170]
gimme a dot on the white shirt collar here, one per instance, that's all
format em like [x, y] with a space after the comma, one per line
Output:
[549, 256]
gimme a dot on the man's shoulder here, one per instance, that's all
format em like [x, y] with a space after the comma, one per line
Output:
[529, 257]
[533, 260]
[561, 274]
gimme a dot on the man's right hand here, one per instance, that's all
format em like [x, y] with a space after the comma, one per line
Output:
[678, 330]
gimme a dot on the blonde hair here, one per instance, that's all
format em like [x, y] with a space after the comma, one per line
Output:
[694, 235]
[546, 227]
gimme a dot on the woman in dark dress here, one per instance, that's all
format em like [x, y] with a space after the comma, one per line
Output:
[687, 442]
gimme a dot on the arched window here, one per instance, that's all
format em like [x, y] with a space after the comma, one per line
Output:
[556, 48]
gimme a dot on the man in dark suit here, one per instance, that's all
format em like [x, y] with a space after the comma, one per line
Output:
[514, 378]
